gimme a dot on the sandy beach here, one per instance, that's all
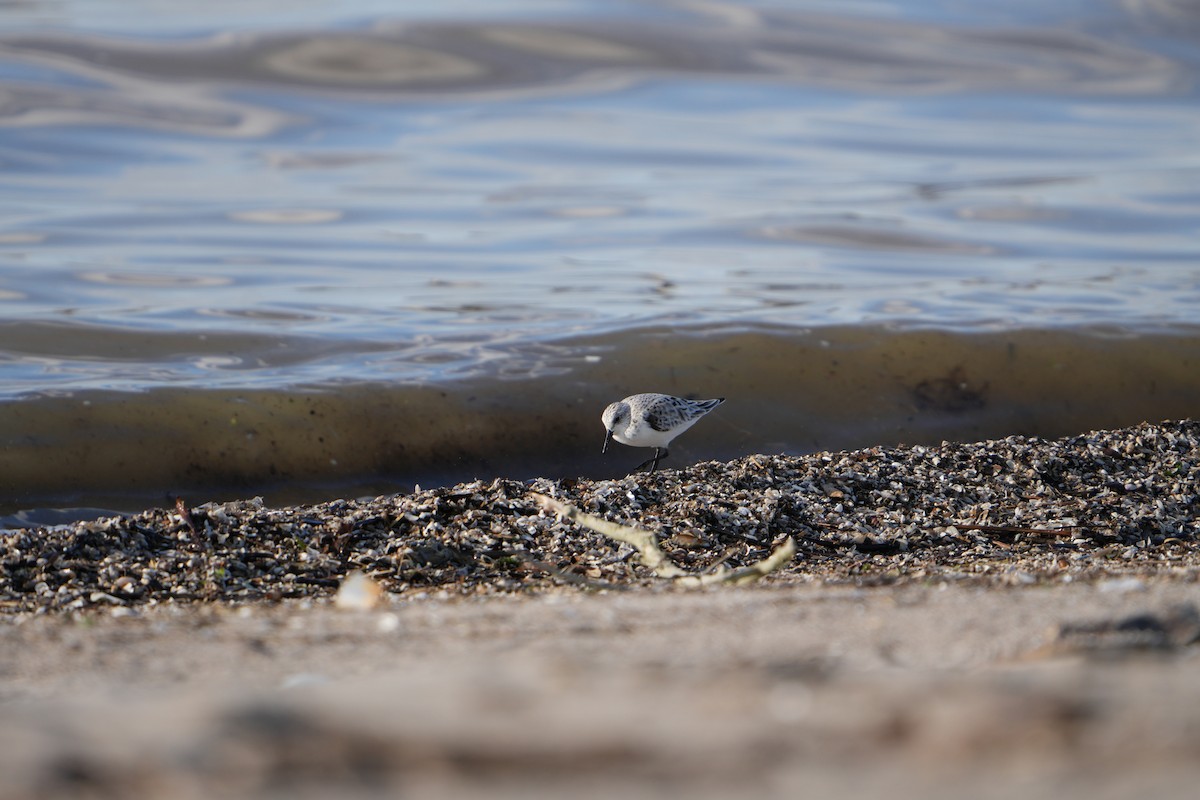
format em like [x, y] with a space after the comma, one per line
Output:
[1000, 617]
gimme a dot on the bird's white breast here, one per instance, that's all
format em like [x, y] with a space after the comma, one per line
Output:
[639, 434]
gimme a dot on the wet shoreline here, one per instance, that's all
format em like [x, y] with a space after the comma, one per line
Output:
[790, 391]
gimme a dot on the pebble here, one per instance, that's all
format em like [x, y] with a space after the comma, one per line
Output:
[1121, 585]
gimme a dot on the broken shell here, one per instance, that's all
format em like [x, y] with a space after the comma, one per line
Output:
[358, 592]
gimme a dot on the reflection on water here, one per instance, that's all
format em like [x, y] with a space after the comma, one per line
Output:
[322, 197]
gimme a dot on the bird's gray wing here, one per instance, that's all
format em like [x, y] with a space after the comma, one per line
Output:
[662, 417]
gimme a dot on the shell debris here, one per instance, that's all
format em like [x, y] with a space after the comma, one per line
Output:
[1018, 511]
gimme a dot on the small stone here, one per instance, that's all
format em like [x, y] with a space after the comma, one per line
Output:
[1121, 586]
[302, 680]
[1021, 578]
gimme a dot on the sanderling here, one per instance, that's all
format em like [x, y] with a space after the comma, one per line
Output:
[652, 420]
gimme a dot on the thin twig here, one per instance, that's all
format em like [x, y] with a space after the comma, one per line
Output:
[653, 557]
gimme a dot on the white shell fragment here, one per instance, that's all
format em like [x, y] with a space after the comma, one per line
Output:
[358, 592]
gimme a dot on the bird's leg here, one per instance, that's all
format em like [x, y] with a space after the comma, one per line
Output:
[659, 454]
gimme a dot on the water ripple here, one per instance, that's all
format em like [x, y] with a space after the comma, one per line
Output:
[869, 54]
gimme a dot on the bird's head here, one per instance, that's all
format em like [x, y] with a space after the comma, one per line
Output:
[615, 416]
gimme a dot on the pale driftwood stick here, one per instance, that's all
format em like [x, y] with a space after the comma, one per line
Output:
[654, 558]
[643, 541]
[778, 559]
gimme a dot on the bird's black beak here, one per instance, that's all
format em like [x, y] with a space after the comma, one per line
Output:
[607, 439]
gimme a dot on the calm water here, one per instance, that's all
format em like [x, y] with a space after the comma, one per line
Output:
[304, 248]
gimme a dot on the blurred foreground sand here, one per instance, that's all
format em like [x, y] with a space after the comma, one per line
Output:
[779, 690]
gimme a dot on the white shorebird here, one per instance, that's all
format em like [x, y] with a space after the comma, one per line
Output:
[652, 420]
